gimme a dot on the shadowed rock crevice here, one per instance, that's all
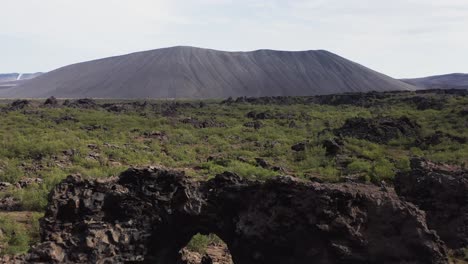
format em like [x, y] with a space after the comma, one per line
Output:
[149, 215]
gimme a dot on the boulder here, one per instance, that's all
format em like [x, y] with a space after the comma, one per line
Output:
[51, 101]
[332, 146]
[301, 146]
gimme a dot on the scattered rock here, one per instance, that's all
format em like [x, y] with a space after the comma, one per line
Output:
[218, 160]
[70, 152]
[25, 182]
[203, 124]
[5, 185]
[262, 163]
[172, 109]
[278, 169]
[333, 146]
[251, 114]
[242, 159]
[94, 127]
[65, 118]
[263, 116]
[9, 203]
[111, 146]
[93, 156]
[442, 192]
[82, 104]
[149, 215]
[93, 146]
[157, 135]
[116, 108]
[254, 124]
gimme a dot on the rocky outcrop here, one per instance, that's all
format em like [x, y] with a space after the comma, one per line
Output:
[18, 105]
[441, 191]
[149, 215]
[379, 130]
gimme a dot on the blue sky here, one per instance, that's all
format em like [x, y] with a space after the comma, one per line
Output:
[401, 38]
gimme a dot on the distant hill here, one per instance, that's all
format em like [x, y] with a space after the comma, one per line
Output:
[188, 72]
[8, 77]
[8, 80]
[447, 81]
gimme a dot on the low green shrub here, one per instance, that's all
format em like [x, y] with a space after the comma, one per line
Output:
[14, 237]
[200, 242]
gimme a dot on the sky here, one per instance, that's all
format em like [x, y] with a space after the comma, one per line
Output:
[401, 38]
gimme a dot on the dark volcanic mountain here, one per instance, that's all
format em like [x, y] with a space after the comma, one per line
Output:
[447, 81]
[187, 72]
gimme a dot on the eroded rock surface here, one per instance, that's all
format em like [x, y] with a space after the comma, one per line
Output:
[149, 215]
[441, 191]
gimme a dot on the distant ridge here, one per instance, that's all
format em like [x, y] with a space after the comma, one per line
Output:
[188, 72]
[446, 81]
[8, 80]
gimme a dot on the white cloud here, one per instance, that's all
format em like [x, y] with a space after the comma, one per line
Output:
[399, 37]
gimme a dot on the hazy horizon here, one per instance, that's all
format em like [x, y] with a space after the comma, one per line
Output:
[400, 38]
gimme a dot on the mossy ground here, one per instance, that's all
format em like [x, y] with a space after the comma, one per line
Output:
[52, 143]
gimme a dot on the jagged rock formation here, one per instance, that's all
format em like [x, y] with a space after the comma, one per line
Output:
[379, 130]
[188, 72]
[147, 216]
[441, 191]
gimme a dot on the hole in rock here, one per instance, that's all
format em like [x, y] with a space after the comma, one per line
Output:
[206, 249]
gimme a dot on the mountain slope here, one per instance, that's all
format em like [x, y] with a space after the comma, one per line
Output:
[447, 81]
[187, 72]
